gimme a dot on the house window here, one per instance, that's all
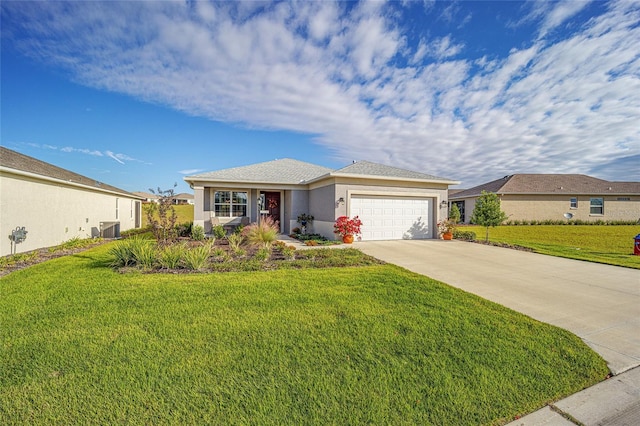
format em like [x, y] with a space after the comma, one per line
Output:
[117, 200]
[230, 203]
[597, 206]
[574, 203]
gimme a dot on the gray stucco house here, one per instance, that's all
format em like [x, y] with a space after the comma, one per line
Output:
[392, 203]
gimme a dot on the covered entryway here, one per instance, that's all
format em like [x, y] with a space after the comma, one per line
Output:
[393, 218]
[271, 205]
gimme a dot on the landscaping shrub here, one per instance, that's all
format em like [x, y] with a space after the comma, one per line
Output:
[144, 253]
[196, 258]
[263, 233]
[197, 233]
[263, 254]
[464, 235]
[219, 232]
[170, 257]
[235, 241]
[122, 252]
[289, 252]
[184, 229]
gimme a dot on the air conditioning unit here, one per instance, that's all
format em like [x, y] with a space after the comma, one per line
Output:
[110, 229]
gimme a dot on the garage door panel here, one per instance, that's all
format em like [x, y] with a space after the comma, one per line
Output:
[386, 218]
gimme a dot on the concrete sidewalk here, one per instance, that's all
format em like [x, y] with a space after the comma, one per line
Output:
[598, 303]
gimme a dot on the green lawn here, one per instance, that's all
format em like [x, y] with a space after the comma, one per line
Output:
[183, 211]
[597, 243]
[82, 344]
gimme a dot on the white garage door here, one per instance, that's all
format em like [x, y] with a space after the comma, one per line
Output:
[393, 218]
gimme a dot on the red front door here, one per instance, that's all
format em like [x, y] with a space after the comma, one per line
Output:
[272, 203]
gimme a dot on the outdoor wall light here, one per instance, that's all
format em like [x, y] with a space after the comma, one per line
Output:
[341, 200]
[443, 203]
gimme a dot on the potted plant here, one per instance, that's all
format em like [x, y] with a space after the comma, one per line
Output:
[303, 219]
[347, 228]
[446, 228]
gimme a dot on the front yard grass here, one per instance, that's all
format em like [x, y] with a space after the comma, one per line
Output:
[83, 344]
[610, 244]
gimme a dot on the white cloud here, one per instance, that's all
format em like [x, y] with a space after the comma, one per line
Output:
[190, 171]
[559, 14]
[567, 106]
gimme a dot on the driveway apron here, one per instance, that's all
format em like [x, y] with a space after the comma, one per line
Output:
[599, 303]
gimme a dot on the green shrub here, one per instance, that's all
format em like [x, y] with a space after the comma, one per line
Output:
[219, 254]
[289, 252]
[464, 235]
[170, 257]
[263, 254]
[121, 253]
[144, 253]
[197, 233]
[263, 233]
[196, 258]
[235, 241]
[219, 232]
[184, 229]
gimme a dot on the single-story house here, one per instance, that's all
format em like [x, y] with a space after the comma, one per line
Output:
[183, 198]
[54, 205]
[556, 197]
[392, 203]
[147, 196]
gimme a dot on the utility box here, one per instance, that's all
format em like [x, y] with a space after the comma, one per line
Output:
[636, 245]
[110, 229]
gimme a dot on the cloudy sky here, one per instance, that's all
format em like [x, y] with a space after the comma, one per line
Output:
[139, 94]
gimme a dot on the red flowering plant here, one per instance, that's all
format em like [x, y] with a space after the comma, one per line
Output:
[345, 226]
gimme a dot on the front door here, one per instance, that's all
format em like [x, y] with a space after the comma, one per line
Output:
[272, 204]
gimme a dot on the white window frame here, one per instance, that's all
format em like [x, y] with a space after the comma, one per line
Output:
[596, 206]
[231, 202]
[573, 203]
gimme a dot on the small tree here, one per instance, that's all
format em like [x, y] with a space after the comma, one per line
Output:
[487, 211]
[454, 213]
[162, 216]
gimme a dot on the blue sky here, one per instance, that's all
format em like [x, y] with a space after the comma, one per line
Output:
[140, 94]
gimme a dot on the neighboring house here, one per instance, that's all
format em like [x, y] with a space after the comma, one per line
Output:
[147, 196]
[392, 203]
[556, 197]
[55, 205]
[183, 198]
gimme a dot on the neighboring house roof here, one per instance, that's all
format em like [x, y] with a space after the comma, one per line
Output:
[284, 171]
[289, 171]
[183, 196]
[551, 184]
[13, 160]
[147, 195]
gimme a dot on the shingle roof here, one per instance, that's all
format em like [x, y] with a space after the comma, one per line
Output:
[146, 195]
[14, 160]
[184, 196]
[283, 171]
[551, 184]
[365, 168]
[288, 171]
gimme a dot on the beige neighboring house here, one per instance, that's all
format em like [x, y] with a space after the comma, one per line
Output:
[183, 198]
[392, 203]
[147, 196]
[556, 197]
[54, 205]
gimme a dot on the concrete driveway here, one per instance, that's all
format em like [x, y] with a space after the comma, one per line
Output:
[598, 303]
